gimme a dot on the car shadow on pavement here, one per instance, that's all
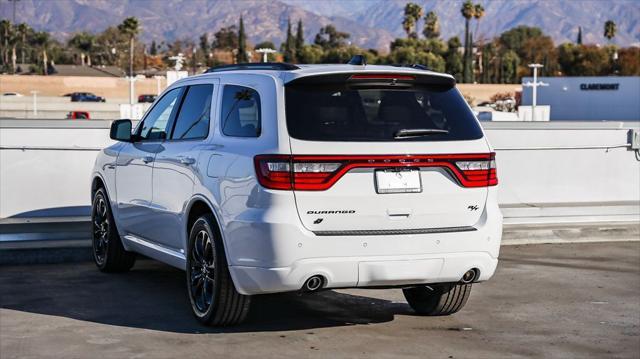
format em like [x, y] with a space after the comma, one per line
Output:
[153, 296]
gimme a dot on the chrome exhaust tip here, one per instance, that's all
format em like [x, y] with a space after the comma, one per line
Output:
[313, 283]
[469, 276]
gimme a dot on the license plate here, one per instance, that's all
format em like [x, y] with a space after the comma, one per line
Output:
[398, 181]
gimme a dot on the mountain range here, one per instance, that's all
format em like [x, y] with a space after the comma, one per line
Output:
[371, 23]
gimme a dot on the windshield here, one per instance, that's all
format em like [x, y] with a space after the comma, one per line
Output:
[341, 112]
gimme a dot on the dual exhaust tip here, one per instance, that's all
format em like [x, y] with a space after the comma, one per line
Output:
[316, 282]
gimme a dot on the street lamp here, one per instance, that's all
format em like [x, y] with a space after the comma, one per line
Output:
[265, 52]
[535, 85]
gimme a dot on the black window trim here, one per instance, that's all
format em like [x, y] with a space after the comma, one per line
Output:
[172, 116]
[222, 119]
[174, 119]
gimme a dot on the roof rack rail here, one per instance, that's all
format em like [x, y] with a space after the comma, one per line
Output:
[279, 66]
[414, 66]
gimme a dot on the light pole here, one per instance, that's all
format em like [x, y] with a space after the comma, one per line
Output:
[14, 10]
[534, 85]
[265, 52]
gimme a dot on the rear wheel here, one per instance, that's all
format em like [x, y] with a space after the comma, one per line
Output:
[108, 252]
[438, 299]
[214, 299]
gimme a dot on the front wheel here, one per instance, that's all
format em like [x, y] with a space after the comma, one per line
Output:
[214, 299]
[438, 299]
[108, 252]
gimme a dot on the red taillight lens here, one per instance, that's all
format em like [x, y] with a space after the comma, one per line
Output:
[317, 173]
[479, 172]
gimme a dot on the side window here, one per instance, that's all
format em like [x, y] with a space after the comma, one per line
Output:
[156, 125]
[240, 112]
[193, 119]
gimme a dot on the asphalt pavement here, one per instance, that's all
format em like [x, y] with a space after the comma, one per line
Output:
[554, 300]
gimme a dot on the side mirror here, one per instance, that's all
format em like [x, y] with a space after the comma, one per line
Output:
[121, 131]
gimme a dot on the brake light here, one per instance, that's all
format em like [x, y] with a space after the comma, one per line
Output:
[317, 173]
[382, 77]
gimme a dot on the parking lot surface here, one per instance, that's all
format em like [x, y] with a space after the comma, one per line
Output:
[566, 301]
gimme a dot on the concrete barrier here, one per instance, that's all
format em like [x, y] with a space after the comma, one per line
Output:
[547, 171]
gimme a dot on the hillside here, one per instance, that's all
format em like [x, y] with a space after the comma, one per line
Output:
[371, 23]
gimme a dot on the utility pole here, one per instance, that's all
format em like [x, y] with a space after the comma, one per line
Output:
[14, 10]
[534, 85]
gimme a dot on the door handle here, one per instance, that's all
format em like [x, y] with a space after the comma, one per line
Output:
[187, 160]
[147, 159]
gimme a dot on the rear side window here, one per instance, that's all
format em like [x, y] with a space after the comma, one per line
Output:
[340, 112]
[240, 112]
[194, 115]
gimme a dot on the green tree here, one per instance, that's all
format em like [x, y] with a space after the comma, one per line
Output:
[509, 67]
[478, 13]
[225, 39]
[24, 31]
[412, 13]
[288, 46]
[431, 26]
[299, 40]
[84, 43]
[41, 41]
[453, 63]
[130, 27]
[329, 37]
[467, 10]
[205, 46]
[609, 30]
[241, 56]
[579, 39]
[311, 54]
[153, 50]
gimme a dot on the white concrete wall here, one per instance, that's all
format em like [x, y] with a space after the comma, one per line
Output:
[538, 164]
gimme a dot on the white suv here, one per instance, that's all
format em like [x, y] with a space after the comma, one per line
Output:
[264, 178]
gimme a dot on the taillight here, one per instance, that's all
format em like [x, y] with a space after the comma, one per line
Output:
[292, 172]
[479, 173]
[317, 173]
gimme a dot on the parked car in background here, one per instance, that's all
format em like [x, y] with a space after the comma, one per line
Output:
[86, 97]
[266, 178]
[78, 115]
[16, 94]
[146, 98]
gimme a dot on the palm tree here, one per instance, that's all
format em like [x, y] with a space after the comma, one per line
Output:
[412, 13]
[23, 30]
[478, 13]
[609, 30]
[431, 26]
[130, 27]
[5, 34]
[84, 42]
[41, 41]
[468, 11]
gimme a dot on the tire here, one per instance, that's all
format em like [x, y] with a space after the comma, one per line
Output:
[438, 299]
[108, 251]
[213, 297]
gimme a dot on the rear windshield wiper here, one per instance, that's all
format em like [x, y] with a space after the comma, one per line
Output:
[418, 132]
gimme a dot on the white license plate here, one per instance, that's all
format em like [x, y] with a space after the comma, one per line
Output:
[394, 181]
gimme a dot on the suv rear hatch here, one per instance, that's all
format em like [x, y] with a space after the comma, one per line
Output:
[381, 153]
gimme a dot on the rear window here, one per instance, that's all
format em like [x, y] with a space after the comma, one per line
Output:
[344, 112]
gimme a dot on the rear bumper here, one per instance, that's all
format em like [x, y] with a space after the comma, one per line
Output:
[344, 272]
[269, 255]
